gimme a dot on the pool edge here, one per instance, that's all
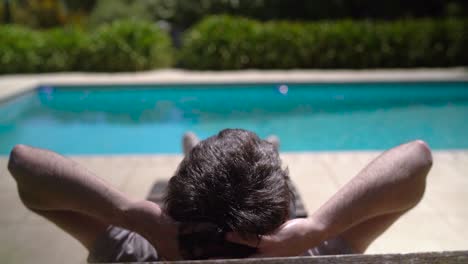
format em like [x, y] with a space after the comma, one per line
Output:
[13, 85]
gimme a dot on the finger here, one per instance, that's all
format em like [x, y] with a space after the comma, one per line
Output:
[236, 238]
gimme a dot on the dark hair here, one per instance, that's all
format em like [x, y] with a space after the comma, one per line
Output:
[233, 180]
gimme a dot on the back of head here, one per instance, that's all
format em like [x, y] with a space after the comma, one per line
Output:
[234, 181]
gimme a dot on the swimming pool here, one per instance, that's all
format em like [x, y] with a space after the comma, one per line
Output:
[306, 117]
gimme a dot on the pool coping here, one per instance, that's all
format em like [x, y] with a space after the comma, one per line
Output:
[13, 85]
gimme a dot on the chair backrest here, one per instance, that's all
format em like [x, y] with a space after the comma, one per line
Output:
[446, 257]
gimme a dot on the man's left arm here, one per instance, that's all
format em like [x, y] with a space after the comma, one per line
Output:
[361, 210]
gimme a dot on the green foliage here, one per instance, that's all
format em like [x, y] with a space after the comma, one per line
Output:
[63, 50]
[35, 13]
[82, 5]
[185, 13]
[127, 45]
[224, 42]
[20, 49]
[120, 46]
[108, 11]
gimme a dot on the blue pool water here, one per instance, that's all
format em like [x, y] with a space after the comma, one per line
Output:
[307, 117]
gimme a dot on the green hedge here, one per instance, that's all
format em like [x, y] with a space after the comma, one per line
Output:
[224, 42]
[127, 45]
[20, 49]
[62, 50]
[119, 46]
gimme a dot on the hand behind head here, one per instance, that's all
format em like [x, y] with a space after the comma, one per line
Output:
[206, 241]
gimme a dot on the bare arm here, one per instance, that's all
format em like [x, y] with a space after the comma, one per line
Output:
[48, 182]
[394, 181]
[390, 185]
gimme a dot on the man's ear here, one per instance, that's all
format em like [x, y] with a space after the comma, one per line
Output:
[273, 139]
[189, 140]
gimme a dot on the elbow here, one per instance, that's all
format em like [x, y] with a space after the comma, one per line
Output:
[421, 160]
[16, 159]
[17, 166]
[423, 154]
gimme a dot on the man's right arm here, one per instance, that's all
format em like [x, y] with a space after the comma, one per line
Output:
[48, 182]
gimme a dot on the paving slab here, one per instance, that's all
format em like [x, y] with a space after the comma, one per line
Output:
[7, 235]
[44, 243]
[12, 210]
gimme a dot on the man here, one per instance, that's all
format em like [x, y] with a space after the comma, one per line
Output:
[231, 183]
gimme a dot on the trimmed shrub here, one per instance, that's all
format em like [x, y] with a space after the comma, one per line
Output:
[63, 49]
[127, 46]
[120, 46]
[20, 49]
[224, 42]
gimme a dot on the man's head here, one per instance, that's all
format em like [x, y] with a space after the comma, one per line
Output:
[233, 180]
